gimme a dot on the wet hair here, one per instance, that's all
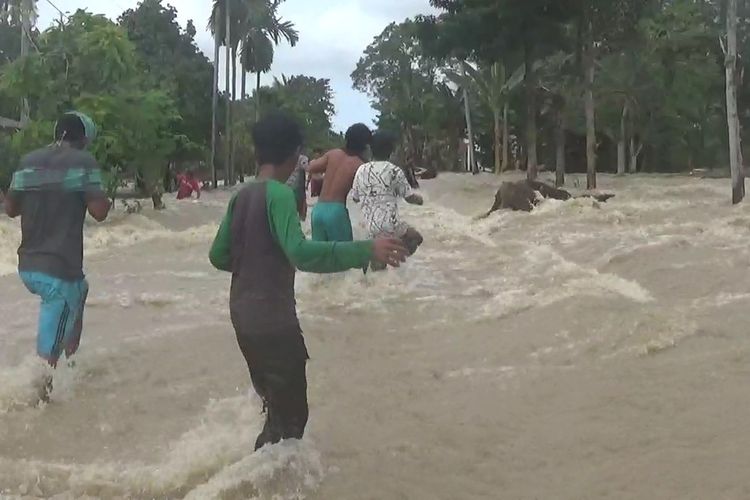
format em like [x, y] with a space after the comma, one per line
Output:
[277, 138]
[358, 137]
[383, 144]
[70, 128]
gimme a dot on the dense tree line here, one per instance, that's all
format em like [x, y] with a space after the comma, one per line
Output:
[146, 84]
[581, 85]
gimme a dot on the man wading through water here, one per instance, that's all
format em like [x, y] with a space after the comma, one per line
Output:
[260, 241]
[378, 187]
[52, 191]
[330, 218]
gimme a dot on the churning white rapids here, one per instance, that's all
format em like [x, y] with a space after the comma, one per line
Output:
[582, 351]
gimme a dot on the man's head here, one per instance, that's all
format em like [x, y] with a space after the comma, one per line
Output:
[383, 145]
[358, 137]
[278, 141]
[75, 129]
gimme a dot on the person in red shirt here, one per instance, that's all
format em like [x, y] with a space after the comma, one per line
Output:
[186, 185]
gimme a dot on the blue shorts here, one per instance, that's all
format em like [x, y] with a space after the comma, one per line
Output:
[60, 315]
[330, 222]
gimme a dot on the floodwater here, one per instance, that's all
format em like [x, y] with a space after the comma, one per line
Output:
[582, 351]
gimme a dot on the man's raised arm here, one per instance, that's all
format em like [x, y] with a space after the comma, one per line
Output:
[319, 165]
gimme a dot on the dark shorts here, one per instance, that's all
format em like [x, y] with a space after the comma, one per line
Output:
[277, 364]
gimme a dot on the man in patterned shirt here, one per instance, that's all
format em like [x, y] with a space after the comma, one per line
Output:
[377, 187]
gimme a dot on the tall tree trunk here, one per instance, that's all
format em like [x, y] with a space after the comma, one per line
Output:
[232, 152]
[634, 153]
[215, 109]
[257, 97]
[531, 132]
[243, 93]
[470, 131]
[590, 105]
[733, 122]
[228, 73]
[506, 139]
[622, 141]
[560, 148]
[498, 139]
[27, 8]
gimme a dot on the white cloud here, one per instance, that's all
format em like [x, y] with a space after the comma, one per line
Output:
[333, 35]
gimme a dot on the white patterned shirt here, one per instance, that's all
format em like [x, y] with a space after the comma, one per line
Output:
[377, 188]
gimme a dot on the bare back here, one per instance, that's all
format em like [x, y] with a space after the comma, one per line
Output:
[340, 171]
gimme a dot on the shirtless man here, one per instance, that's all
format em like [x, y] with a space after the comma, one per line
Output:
[330, 218]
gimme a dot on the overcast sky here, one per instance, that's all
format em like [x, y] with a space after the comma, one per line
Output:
[333, 35]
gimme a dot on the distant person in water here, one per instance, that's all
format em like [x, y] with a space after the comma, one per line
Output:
[51, 191]
[260, 241]
[298, 182]
[378, 187]
[187, 184]
[330, 218]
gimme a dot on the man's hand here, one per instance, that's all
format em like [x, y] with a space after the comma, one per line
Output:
[11, 205]
[98, 208]
[389, 251]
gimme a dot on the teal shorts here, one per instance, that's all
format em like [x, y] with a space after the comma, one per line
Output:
[330, 222]
[60, 315]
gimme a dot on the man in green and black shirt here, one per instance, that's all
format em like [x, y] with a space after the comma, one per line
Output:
[260, 241]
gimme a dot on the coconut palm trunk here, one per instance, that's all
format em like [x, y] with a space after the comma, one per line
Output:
[733, 122]
[233, 174]
[28, 9]
[228, 89]
[531, 132]
[215, 109]
[506, 139]
[590, 107]
[622, 142]
[257, 97]
[560, 148]
[497, 140]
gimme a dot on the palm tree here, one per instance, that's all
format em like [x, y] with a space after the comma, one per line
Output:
[263, 29]
[251, 27]
[493, 88]
[227, 18]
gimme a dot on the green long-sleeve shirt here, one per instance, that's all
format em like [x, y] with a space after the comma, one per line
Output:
[284, 225]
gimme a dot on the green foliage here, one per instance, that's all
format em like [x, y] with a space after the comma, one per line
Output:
[657, 63]
[255, 28]
[408, 89]
[171, 61]
[89, 64]
[86, 54]
[309, 100]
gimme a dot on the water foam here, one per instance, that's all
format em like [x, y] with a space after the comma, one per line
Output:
[209, 461]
